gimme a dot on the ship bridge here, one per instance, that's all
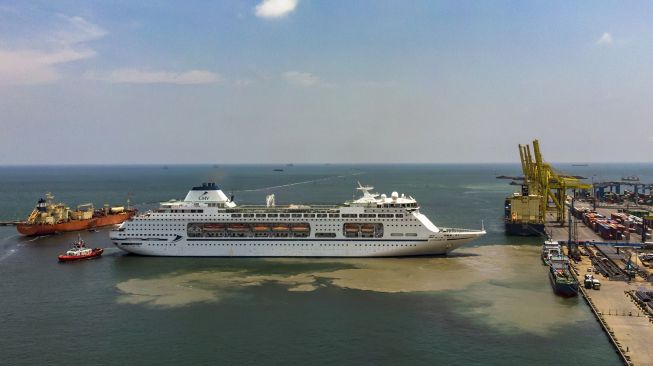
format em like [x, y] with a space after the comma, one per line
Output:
[208, 194]
[374, 199]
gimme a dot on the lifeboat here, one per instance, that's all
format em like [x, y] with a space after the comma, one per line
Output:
[261, 228]
[213, 227]
[367, 228]
[300, 228]
[80, 251]
[350, 228]
[280, 228]
[237, 227]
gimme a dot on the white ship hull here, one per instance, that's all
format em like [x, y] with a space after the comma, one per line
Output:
[211, 225]
[293, 248]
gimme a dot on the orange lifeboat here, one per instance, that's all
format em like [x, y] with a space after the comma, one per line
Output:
[367, 228]
[300, 228]
[261, 228]
[280, 228]
[351, 228]
[213, 227]
[237, 227]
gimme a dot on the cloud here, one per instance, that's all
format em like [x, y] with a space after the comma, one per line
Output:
[301, 78]
[135, 76]
[65, 43]
[275, 8]
[606, 39]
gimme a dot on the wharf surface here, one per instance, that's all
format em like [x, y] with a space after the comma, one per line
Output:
[9, 223]
[629, 328]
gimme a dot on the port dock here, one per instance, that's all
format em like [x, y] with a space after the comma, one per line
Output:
[9, 223]
[606, 232]
[627, 322]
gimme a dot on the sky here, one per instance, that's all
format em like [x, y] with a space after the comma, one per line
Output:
[313, 81]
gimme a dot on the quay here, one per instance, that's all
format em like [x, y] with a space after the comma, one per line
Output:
[9, 223]
[627, 324]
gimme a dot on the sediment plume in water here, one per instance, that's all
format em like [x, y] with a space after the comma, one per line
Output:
[504, 286]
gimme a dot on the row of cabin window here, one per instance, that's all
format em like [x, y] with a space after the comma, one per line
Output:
[180, 211]
[292, 245]
[321, 215]
[387, 205]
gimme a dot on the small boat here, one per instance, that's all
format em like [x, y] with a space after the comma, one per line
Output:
[367, 228]
[630, 178]
[352, 228]
[550, 249]
[213, 227]
[237, 227]
[80, 251]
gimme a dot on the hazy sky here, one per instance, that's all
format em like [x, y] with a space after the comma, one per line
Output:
[261, 81]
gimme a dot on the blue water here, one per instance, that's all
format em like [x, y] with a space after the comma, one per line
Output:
[47, 310]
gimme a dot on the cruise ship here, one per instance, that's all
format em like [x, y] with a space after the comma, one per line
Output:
[208, 223]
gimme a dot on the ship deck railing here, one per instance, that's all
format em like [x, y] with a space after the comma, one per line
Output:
[298, 209]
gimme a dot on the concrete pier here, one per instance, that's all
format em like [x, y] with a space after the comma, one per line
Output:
[629, 327]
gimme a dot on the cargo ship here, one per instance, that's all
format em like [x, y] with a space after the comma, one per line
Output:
[522, 214]
[49, 217]
[562, 281]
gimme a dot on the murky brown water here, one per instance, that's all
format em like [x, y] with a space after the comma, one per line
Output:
[504, 286]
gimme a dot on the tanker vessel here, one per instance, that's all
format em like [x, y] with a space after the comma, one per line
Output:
[49, 217]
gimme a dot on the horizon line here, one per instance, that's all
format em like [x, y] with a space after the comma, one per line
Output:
[306, 164]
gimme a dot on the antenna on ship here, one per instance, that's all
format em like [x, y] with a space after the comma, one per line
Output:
[366, 190]
[269, 200]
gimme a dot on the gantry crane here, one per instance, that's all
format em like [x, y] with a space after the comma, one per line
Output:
[547, 183]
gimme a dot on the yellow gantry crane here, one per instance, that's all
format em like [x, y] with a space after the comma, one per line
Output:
[544, 181]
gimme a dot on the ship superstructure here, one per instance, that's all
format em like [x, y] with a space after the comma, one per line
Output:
[208, 223]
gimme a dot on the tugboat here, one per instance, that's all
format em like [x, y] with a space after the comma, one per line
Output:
[80, 251]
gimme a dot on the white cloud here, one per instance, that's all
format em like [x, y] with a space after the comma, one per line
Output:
[275, 8]
[64, 44]
[135, 76]
[606, 39]
[301, 78]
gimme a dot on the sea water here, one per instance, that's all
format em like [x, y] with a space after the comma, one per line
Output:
[488, 303]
